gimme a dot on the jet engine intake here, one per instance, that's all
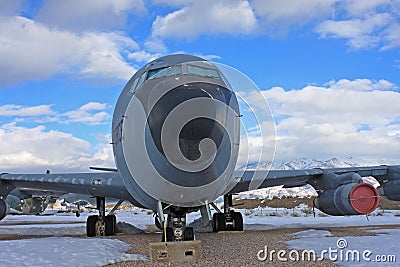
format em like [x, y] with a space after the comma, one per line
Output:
[348, 199]
[4, 209]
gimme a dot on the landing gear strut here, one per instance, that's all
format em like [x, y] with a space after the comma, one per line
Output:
[229, 220]
[176, 229]
[101, 225]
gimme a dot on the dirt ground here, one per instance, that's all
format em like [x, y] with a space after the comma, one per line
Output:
[231, 248]
[239, 248]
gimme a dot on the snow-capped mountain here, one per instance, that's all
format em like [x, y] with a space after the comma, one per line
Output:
[304, 163]
[301, 163]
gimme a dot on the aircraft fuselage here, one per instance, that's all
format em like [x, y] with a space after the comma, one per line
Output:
[176, 133]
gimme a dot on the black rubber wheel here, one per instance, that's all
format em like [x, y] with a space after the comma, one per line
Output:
[109, 224]
[115, 224]
[219, 222]
[188, 234]
[91, 225]
[214, 223]
[4, 209]
[170, 235]
[238, 221]
[114, 219]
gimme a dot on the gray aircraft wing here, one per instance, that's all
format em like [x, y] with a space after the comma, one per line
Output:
[107, 184]
[252, 179]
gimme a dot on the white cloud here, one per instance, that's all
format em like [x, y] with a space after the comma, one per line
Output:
[155, 45]
[362, 85]
[93, 106]
[91, 113]
[35, 150]
[206, 17]
[10, 7]
[92, 15]
[392, 37]
[171, 2]
[257, 145]
[32, 51]
[364, 24]
[288, 12]
[143, 56]
[338, 120]
[360, 32]
[397, 64]
[209, 57]
[17, 110]
[362, 7]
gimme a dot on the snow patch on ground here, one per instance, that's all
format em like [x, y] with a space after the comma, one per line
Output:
[312, 233]
[44, 229]
[383, 247]
[260, 219]
[64, 251]
[74, 249]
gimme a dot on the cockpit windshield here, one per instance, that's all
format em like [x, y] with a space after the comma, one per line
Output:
[196, 68]
[153, 72]
[206, 72]
[170, 71]
[199, 68]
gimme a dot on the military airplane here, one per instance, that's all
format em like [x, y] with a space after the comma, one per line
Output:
[175, 139]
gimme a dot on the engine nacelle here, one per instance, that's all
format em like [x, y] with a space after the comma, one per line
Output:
[4, 209]
[348, 199]
[391, 190]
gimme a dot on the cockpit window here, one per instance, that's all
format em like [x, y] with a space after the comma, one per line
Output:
[154, 72]
[171, 71]
[197, 68]
[134, 85]
[212, 73]
[138, 82]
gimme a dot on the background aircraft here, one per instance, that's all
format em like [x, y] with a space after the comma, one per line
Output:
[175, 137]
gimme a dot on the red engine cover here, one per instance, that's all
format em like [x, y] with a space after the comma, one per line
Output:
[364, 198]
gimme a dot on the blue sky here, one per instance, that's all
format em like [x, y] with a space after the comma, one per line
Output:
[330, 70]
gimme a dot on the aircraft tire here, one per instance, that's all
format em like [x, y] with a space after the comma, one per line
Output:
[114, 219]
[238, 220]
[170, 235]
[188, 234]
[91, 225]
[218, 222]
[110, 224]
[4, 209]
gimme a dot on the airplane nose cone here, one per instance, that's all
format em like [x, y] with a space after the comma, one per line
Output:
[180, 140]
[188, 127]
[203, 124]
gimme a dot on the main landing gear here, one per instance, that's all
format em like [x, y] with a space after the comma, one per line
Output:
[228, 220]
[101, 225]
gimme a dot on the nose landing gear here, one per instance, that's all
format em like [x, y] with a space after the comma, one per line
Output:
[175, 228]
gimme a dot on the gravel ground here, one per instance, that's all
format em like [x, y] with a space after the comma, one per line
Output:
[238, 248]
[224, 249]
[230, 248]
